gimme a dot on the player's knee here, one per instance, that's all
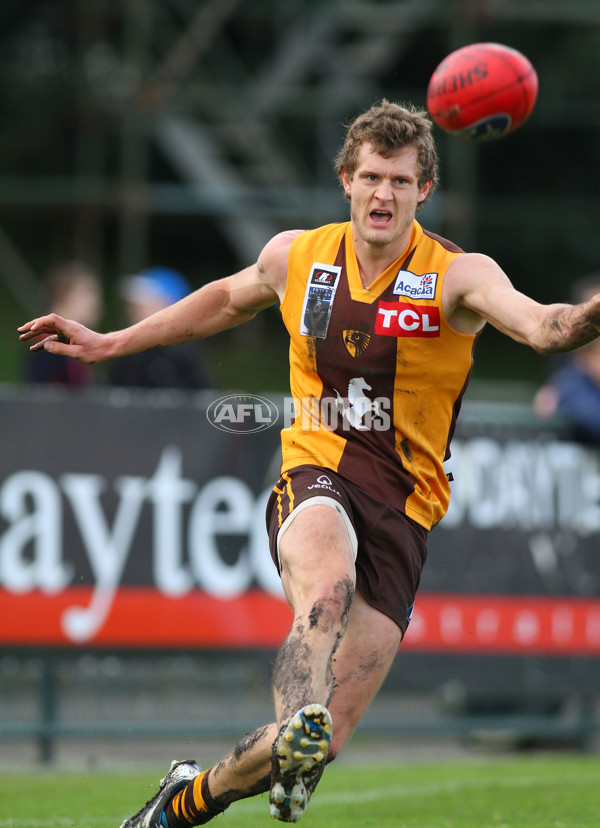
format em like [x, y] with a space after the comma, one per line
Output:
[330, 607]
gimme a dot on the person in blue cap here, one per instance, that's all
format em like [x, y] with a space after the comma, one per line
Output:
[183, 366]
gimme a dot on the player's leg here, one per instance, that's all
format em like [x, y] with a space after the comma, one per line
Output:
[334, 634]
[317, 568]
[316, 555]
[360, 665]
[362, 655]
[361, 662]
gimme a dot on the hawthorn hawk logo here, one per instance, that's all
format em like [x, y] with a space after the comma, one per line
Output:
[356, 342]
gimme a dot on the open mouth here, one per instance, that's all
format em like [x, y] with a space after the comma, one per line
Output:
[380, 217]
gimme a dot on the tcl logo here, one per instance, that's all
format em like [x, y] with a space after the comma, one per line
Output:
[403, 319]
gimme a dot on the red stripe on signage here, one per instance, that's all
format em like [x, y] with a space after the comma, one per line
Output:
[505, 624]
[140, 617]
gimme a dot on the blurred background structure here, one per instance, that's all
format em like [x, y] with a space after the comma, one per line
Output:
[187, 133]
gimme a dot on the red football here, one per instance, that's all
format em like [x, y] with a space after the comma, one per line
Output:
[482, 91]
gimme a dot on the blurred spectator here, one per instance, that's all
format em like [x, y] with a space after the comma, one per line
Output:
[180, 366]
[573, 389]
[74, 292]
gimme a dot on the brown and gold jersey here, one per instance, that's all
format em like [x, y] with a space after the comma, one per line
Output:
[377, 374]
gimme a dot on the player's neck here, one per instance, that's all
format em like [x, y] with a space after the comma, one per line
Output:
[373, 260]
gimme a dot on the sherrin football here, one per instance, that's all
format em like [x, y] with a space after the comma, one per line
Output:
[482, 91]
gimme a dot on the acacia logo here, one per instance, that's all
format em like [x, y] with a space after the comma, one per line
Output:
[242, 413]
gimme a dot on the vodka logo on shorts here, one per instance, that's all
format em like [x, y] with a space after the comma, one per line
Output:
[324, 482]
[415, 286]
[242, 413]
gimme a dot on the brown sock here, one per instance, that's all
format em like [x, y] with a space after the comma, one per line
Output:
[192, 805]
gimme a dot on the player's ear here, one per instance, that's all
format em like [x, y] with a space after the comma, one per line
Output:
[424, 191]
[346, 181]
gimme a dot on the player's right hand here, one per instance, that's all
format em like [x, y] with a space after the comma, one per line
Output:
[63, 336]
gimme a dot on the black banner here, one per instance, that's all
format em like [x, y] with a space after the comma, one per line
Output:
[137, 519]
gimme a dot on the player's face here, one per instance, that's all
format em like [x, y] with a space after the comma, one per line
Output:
[384, 194]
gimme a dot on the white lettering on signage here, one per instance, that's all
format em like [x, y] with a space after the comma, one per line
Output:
[168, 492]
[524, 485]
[107, 550]
[31, 546]
[31, 504]
[208, 520]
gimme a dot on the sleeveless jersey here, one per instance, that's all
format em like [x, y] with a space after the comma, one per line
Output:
[377, 374]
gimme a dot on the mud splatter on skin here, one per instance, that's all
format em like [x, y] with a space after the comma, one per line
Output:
[292, 675]
[235, 794]
[244, 745]
[248, 742]
[568, 328]
[345, 589]
[364, 667]
[555, 320]
[554, 331]
[315, 615]
[344, 592]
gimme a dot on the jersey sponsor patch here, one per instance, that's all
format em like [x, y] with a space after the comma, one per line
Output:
[404, 319]
[318, 299]
[415, 286]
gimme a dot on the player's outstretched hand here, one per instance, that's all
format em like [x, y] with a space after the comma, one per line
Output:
[63, 336]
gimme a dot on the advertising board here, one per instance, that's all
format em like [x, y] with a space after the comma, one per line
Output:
[131, 520]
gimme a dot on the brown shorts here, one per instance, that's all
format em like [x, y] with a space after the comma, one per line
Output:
[391, 548]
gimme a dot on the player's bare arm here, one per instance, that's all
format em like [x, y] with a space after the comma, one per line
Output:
[476, 290]
[215, 307]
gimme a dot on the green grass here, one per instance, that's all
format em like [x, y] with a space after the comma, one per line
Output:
[524, 792]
